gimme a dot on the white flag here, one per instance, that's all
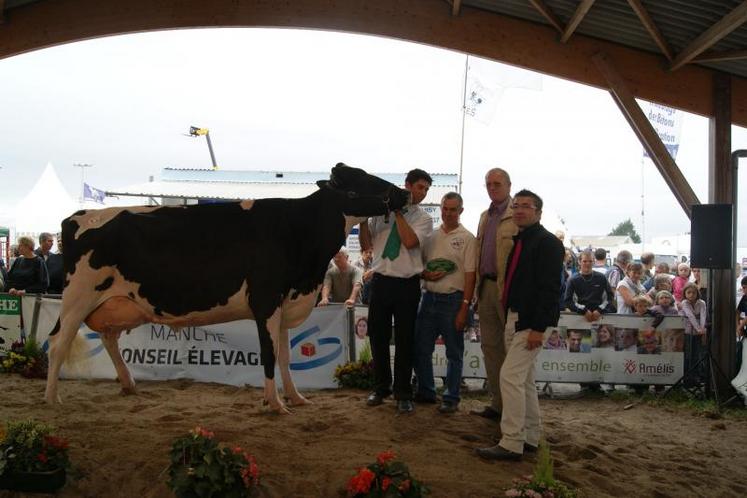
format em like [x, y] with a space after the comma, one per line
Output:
[667, 122]
[486, 82]
[93, 194]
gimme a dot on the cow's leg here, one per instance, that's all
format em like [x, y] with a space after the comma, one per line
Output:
[269, 330]
[111, 343]
[60, 341]
[289, 388]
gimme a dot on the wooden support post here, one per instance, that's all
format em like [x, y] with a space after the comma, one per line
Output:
[720, 191]
[647, 135]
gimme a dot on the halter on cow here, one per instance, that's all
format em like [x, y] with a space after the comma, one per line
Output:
[129, 266]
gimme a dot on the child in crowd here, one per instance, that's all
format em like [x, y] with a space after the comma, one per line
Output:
[642, 307]
[680, 281]
[665, 304]
[694, 310]
[662, 281]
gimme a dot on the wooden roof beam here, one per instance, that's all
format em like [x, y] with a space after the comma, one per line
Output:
[578, 16]
[726, 55]
[711, 36]
[651, 27]
[646, 133]
[548, 14]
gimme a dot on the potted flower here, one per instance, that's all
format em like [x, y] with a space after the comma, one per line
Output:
[31, 458]
[387, 477]
[541, 484]
[355, 374]
[201, 467]
[27, 358]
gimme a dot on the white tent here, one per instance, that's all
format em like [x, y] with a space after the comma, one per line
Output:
[45, 206]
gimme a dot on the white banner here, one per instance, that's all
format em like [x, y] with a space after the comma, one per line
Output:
[619, 349]
[10, 321]
[667, 122]
[227, 353]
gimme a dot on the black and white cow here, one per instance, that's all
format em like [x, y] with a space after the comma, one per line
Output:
[263, 259]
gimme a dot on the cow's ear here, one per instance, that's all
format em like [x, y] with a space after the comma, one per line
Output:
[322, 183]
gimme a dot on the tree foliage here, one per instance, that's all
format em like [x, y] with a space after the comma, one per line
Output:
[626, 228]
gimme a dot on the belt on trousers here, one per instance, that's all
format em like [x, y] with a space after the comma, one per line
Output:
[491, 276]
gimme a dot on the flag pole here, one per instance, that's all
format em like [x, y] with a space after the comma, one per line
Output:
[464, 114]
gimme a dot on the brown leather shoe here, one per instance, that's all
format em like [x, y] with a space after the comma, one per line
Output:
[487, 412]
[498, 452]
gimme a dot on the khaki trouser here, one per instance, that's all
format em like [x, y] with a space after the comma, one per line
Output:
[520, 422]
[492, 322]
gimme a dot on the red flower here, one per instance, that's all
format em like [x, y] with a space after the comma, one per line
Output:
[56, 442]
[42, 457]
[385, 483]
[404, 486]
[361, 482]
[385, 456]
[237, 450]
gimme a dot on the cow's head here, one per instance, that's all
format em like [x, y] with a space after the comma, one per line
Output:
[364, 195]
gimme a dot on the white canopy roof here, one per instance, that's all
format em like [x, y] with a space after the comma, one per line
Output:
[45, 206]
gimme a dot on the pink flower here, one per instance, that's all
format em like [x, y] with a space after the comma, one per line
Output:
[200, 432]
[513, 492]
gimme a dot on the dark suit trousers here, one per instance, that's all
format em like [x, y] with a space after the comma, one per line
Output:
[398, 298]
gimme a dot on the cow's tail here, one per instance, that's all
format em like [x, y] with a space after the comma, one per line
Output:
[78, 361]
[56, 328]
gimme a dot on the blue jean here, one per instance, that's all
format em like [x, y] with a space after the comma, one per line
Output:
[436, 316]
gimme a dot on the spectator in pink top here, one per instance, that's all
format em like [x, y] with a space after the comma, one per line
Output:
[680, 281]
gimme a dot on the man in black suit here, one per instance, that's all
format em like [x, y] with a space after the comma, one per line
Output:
[531, 294]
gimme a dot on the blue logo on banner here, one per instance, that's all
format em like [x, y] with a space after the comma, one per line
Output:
[93, 336]
[322, 341]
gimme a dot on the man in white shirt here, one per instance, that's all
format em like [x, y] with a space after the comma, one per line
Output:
[395, 290]
[450, 256]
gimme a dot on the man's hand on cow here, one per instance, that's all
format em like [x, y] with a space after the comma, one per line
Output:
[535, 339]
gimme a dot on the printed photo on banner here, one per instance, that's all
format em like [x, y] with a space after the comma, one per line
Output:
[619, 349]
[362, 343]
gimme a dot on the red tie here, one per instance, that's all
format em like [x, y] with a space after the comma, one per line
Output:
[510, 273]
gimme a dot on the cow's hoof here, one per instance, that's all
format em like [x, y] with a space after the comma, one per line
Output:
[128, 391]
[53, 400]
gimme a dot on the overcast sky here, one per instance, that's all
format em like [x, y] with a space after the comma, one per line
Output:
[305, 100]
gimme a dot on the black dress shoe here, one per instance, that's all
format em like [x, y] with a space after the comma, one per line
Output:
[530, 448]
[405, 406]
[488, 412]
[448, 407]
[498, 452]
[374, 399]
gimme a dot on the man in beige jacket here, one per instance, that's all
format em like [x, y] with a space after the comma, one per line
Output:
[495, 239]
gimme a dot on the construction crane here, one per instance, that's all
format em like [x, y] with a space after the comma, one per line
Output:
[194, 131]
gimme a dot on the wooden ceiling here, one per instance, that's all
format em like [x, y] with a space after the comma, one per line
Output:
[666, 51]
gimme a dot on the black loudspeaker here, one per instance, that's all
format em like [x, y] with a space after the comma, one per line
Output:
[711, 237]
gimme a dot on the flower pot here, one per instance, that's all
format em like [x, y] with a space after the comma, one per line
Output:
[33, 482]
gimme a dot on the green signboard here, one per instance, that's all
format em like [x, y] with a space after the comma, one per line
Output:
[10, 321]
[4, 232]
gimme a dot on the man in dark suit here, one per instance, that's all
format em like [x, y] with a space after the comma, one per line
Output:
[531, 294]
